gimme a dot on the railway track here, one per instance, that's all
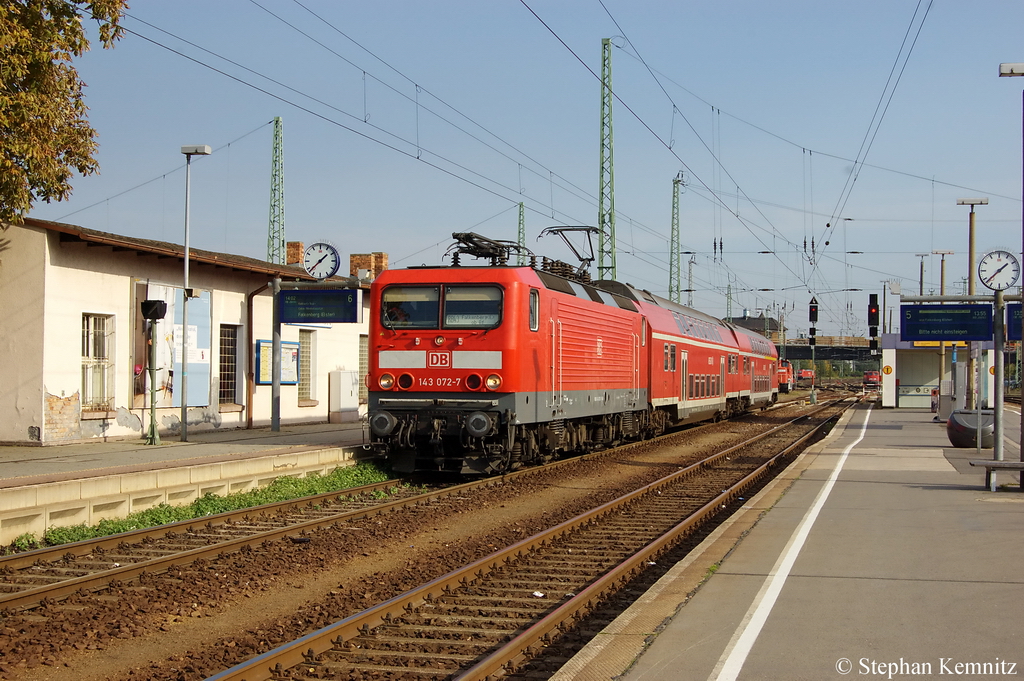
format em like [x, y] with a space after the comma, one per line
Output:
[54, 573]
[494, 615]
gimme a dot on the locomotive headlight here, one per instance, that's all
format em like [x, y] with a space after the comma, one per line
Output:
[473, 382]
[439, 340]
[478, 424]
[405, 381]
[493, 382]
[382, 423]
[386, 381]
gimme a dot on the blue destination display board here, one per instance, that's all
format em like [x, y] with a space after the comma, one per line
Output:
[946, 322]
[320, 306]
[1013, 321]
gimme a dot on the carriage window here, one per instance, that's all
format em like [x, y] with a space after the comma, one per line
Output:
[410, 307]
[472, 307]
[534, 309]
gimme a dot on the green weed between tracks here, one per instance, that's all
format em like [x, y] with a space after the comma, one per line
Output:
[282, 489]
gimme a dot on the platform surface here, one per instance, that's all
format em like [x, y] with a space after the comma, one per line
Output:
[880, 554]
[21, 465]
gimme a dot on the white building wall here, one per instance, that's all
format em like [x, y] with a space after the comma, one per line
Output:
[73, 290]
[49, 284]
[21, 334]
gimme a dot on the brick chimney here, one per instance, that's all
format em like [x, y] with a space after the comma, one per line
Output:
[293, 253]
[372, 263]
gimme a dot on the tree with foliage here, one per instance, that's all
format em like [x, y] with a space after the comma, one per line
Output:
[44, 132]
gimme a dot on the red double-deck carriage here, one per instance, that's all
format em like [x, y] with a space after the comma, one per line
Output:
[484, 369]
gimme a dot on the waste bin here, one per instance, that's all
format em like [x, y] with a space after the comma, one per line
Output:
[962, 428]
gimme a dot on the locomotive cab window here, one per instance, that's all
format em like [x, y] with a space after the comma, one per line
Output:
[472, 307]
[410, 307]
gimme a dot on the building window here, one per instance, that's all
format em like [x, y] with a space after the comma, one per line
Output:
[305, 365]
[97, 362]
[228, 392]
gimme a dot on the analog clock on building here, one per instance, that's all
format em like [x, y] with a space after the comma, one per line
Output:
[321, 260]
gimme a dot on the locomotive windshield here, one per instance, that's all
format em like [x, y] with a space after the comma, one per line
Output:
[472, 307]
[410, 307]
[422, 307]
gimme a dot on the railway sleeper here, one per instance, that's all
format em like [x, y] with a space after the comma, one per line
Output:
[560, 569]
[427, 620]
[438, 633]
[485, 600]
[384, 642]
[497, 609]
[450, 660]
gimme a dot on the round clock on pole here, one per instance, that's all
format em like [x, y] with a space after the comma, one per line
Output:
[321, 260]
[999, 270]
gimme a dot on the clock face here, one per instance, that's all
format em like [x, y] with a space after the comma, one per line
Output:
[999, 270]
[321, 260]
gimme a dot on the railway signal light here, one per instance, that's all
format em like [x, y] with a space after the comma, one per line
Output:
[812, 313]
[872, 331]
[873, 311]
[812, 341]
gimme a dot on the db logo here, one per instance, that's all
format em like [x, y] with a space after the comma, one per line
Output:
[439, 360]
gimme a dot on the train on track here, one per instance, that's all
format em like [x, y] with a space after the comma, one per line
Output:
[487, 368]
[785, 376]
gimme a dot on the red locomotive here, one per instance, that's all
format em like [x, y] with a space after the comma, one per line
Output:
[785, 379]
[485, 369]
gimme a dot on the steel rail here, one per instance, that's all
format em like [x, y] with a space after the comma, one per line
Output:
[25, 559]
[526, 645]
[28, 598]
[304, 650]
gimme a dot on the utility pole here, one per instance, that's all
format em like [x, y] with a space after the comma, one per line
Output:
[673, 244]
[921, 279]
[275, 233]
[972, 202]
[606, 193]
[942, 292]
[521, 260]
[689, 281]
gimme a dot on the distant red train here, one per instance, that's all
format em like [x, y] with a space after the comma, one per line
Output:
[785, 376]
[487, 368]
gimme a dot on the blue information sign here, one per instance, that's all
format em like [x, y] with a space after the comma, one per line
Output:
[1013, 322]
[946, 322]
[320, 306]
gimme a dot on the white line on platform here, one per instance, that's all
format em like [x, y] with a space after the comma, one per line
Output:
[735, 654]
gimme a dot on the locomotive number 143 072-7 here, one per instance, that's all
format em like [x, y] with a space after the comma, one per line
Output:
[442, 382]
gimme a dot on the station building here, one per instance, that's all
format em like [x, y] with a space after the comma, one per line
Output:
[75, 346]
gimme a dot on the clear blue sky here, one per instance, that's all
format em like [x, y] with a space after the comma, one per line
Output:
[406, 121]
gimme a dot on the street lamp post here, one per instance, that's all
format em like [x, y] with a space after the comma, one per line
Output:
[969, 401]
[1018, 70]
[186, 293]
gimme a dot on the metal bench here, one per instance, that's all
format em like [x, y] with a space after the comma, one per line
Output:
[992, 466]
